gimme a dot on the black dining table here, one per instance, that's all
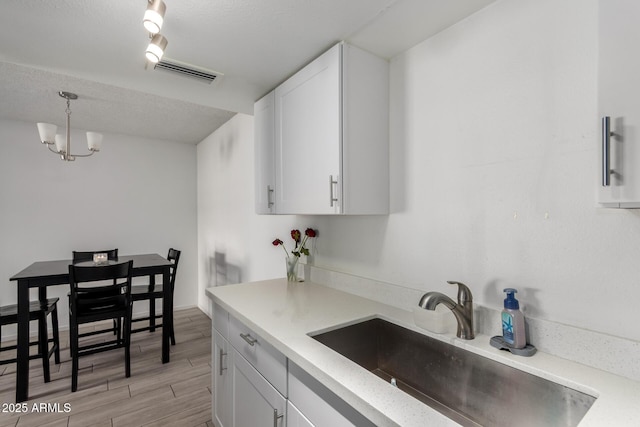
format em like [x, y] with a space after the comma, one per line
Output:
[42, 274]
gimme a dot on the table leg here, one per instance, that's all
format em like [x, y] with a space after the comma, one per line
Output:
[167, 314]
[22, 368]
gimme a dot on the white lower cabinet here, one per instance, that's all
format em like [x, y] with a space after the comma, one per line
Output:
[255, 385]
[249, 377]
[316, 405]
[222, 382]
[295, 417]
[256, 402]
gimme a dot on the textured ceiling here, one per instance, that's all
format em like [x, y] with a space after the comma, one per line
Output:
[95, 49]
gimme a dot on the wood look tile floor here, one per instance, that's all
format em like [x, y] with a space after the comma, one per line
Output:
[174, 394]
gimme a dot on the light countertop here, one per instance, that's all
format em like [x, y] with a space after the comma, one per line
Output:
[286, 313]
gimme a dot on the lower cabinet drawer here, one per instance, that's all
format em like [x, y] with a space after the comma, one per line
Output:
[295, 417]
[263, 356]
[221, 320]
[318, 405]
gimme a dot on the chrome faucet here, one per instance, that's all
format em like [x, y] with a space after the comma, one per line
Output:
[463, 310]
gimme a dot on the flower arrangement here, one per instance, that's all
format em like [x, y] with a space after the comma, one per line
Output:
[300, 241]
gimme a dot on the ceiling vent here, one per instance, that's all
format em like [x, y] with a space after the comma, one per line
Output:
[187, 70]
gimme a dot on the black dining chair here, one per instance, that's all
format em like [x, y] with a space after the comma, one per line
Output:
[91, 300]
[84, 256]
[37, 311]
[153, 291]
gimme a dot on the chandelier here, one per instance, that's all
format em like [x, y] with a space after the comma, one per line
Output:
[63, 145]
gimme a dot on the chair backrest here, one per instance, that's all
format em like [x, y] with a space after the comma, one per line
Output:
[173, 256]
[81, 256]
[86, 295]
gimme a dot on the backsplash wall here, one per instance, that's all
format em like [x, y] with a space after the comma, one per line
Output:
[494, 138]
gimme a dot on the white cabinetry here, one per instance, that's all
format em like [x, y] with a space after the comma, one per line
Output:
[255, 385]
[249, 376]
[619, 92]
[264, 140]
[263, 356]
[330, 140]
[222, 381]
[316, 405]
[256, 402]
[295, 417]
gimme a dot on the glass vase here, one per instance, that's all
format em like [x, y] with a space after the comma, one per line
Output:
[292, 268]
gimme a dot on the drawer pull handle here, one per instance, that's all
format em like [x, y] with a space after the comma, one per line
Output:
[276, 417]
[249, 339]
[222, 354]
[606, 154]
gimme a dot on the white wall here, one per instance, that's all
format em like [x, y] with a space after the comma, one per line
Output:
[227, 223]
[137, 195]
[494, 133]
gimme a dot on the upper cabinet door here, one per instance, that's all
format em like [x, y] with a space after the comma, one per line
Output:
[308, 138]
[322, 140]
[264, 142]
[619, 95]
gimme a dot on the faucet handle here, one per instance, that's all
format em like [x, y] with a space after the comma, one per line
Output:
[464, 293]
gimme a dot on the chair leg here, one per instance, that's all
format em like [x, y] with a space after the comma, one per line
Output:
[127, 344]
[117, 323]
[43, 345]
[173, 337]
[73, 343]
[56, 335]
[152, 314]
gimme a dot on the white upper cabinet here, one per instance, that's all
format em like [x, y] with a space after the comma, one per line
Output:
[331, 137]
[619, 92]
[264, 140]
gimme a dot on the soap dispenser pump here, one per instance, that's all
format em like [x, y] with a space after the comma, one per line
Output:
[513, 330]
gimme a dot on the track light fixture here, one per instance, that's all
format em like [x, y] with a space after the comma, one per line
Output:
[156, 48]
[154, 16]
[152, 21]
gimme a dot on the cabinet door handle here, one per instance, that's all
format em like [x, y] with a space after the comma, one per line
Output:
[269, 193]
[222, 354]
[249, 339]
[606, 151]
[332, 197]
[276, 417]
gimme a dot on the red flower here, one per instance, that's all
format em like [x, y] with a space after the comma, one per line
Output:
[301, 241]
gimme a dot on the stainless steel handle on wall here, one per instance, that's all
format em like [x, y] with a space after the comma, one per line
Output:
[269, 193]
[332, 197]
[222, 354]
[249, 339]
[606, 151]
[276, 417]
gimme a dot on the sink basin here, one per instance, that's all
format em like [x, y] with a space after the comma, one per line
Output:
[468, 388]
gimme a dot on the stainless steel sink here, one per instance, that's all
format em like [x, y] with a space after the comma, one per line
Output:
[470, 389]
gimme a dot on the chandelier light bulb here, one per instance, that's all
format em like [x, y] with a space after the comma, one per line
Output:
[94, 141]
[61, 143]
[47, 132]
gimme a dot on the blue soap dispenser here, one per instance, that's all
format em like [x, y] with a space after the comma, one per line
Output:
[513, 321]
